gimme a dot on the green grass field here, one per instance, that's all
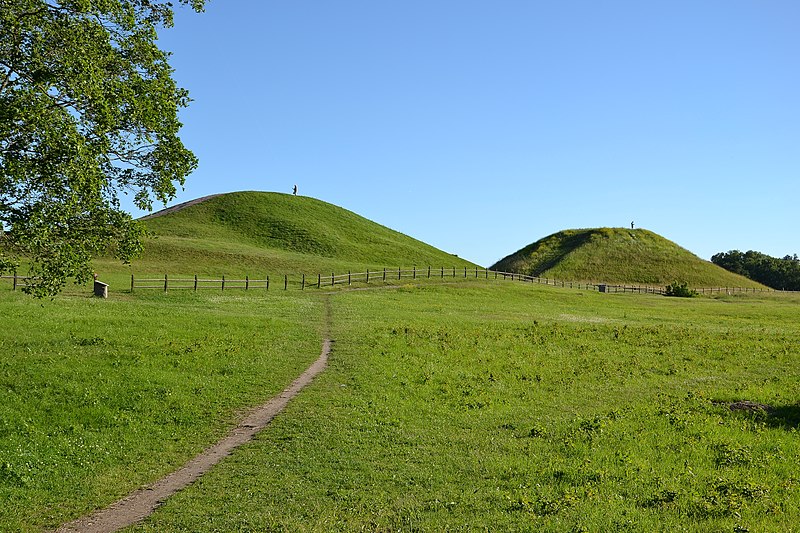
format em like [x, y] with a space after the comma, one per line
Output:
[100, 397]
[455, 405]
[467, 406]
[516, 407]
[500, 406]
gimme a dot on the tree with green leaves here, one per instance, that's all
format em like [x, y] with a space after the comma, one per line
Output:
[88, 112]
[778, 273]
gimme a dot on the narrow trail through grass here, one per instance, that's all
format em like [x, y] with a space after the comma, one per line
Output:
[510, 407]
[141, 503]
[502, 409]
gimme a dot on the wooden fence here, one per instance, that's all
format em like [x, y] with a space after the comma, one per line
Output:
[318, 281]
[17, 282]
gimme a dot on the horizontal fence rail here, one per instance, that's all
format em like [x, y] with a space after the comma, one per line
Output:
[18, 282]
[385, 275]
[390, 275]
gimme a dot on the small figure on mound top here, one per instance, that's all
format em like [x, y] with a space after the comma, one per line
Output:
[294, 190]
[631, 224]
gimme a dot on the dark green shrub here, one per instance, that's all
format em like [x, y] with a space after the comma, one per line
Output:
[679, 289]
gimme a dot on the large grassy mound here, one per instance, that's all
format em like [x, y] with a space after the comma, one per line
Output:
[260, 232]
[617, 255]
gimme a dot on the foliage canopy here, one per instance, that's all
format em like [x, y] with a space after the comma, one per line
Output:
[778, 273]
[88, 111]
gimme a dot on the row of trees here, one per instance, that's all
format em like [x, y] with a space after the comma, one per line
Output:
[778, 273]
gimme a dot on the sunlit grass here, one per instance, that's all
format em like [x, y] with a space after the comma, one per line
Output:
[98, 397]
[259, 234]
[618, 255]
[517, 407]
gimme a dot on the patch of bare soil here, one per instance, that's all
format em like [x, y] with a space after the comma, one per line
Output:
[140, 504]
[747, 405]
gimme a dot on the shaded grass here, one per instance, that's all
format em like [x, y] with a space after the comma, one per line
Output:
[100, 397]
[517, 407]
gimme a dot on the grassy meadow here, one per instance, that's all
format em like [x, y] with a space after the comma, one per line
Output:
[514, 407]
[100, 397]
[448, 405]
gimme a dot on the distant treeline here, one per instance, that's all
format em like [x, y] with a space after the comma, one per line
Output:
[771, 271]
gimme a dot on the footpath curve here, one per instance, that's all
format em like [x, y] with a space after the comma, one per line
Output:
[141, 503]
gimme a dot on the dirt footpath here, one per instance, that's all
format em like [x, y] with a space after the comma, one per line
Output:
[140, 504]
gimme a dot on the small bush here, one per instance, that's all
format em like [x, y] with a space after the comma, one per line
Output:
[679, 289]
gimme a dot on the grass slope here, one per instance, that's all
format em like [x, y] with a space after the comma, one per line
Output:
[259, 232]
[617, 255]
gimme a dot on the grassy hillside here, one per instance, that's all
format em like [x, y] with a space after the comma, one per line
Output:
[259, 232]
[617, 255]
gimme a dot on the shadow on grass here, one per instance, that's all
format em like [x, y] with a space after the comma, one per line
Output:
[787, 416]
[781, 416]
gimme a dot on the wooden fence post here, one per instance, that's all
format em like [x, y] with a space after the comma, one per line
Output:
[348, 277]
[367, 275]
[223, 282]
[247, 283]
[195, 283]
[319, 281]
[454, 271]
[303, 283]
[465, 272]
[398, 272]
[442, 272]
[285, 281]
[384, 273]
[414, 276]
[429, 272]
[332, 280]
[267, 282]
[131, 282]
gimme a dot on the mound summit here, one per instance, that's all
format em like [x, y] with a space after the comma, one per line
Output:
[617, 255]
[251, 232]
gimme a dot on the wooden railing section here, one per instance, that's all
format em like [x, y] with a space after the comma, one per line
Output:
[390, 275]
[385, 276]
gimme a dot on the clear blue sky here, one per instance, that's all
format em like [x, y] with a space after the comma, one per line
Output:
[480, 127]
